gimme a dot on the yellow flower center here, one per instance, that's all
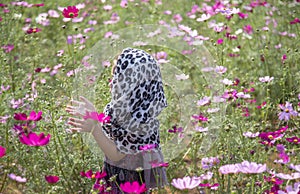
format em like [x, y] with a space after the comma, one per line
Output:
[93, 176]
[295, 140]
[273, 180]
[270, 136]
[287, 110]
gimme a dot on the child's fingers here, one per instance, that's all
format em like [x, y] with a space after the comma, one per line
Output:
[79, 121]
[74, 124]
[75, 102]
[84, 99]
[75, 129]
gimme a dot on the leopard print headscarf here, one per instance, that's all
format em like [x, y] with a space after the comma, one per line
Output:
[137, 98]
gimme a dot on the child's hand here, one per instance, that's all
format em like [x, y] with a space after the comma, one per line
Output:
[79, 110]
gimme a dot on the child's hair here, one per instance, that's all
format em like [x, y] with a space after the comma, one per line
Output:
[114, 64]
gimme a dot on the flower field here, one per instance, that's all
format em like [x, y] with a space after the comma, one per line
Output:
[231, 74]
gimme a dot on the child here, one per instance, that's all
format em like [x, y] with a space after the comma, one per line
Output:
[130, 141]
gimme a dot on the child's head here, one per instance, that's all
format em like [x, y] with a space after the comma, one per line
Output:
[137, 97]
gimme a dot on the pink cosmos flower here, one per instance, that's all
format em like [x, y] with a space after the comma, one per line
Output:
[177, 18]
[208, 163]
[186, 182]
[200, 117]
[230, 94]
[53, 14]
[213, 186]
[295, 21]
[292, 176]
[248, 29]
[24, 128]
[113, 19]
[175, 129]
[32, 139]
[124, 3]
[51, 179]
[204, 101]
[201, 129]
[70, 12]
[250, 134]
[133, 187]
[161, 57]
[8, 48]
[290, 189]
[33, 30]
[2, 151]
[295, 167]
[274, 180]
[101, 117]
[283, 58]
[155, 164]
[294, 140]
[220, 69]
[251, 167]
[266, 79]
[17, 178]
[220, 41]
[182, 77]
[148, 147]
[287, 111]
[33, 116]
[4, 118]
[90, 175]
[228, 169]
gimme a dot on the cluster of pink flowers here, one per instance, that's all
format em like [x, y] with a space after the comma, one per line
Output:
[24, 130]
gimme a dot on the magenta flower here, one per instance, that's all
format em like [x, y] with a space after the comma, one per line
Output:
[90, 175]
[156, 164]
[32, 139]
[33, 116]
[148, 147]
[24, 128]
[101, 117]
[51, 179]
[133, 187]
[228, 169]
[2, 151]
[8, 48]
[186, 182]
[294, 140]
[295, 21]
[175, 129]
[248, 29]
[213, 186]
[274, 180]
[220, 41]
[33, 30]
[200, 118]
[230, 94]
[70, 12]
[287, 111]
[251, 167]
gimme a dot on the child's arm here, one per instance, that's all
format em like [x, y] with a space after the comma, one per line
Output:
[107, 145]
